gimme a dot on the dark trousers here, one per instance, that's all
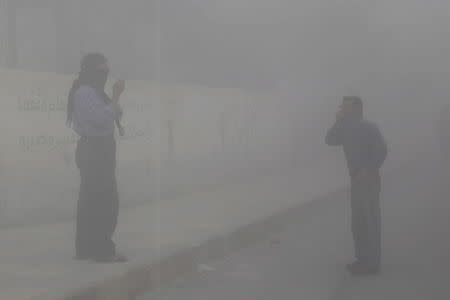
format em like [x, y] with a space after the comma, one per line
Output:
[98, 200]
[366, 219]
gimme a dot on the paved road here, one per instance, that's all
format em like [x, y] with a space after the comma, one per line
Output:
[306, 261]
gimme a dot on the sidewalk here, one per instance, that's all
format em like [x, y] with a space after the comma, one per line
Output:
[36, 263]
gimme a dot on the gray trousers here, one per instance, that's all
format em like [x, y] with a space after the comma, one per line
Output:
[366, 215]
[98, 201]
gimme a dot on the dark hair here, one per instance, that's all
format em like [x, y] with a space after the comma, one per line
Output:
[356, 102]
[88, 75]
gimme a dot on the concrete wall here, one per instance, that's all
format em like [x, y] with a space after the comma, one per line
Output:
[178, 139]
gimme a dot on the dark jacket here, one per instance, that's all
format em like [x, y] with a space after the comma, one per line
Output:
[364, 146]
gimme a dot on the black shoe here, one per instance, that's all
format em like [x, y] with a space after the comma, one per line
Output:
[81, 257]
[353, 265]
[118, 258]
[361, 269]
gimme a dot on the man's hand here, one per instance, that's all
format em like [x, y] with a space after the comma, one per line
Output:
[118, 89]
[339, 115]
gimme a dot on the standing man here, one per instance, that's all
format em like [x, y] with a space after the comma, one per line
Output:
[365, 151]
[92, 114]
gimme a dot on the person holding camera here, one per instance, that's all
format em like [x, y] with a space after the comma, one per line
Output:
[365, 151]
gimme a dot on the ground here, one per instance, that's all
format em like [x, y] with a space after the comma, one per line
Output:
[307, 260]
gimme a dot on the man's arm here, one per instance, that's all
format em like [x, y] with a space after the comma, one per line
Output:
[334, 134]
[377, 148]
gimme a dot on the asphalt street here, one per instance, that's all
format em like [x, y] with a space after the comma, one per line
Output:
[307, 259]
